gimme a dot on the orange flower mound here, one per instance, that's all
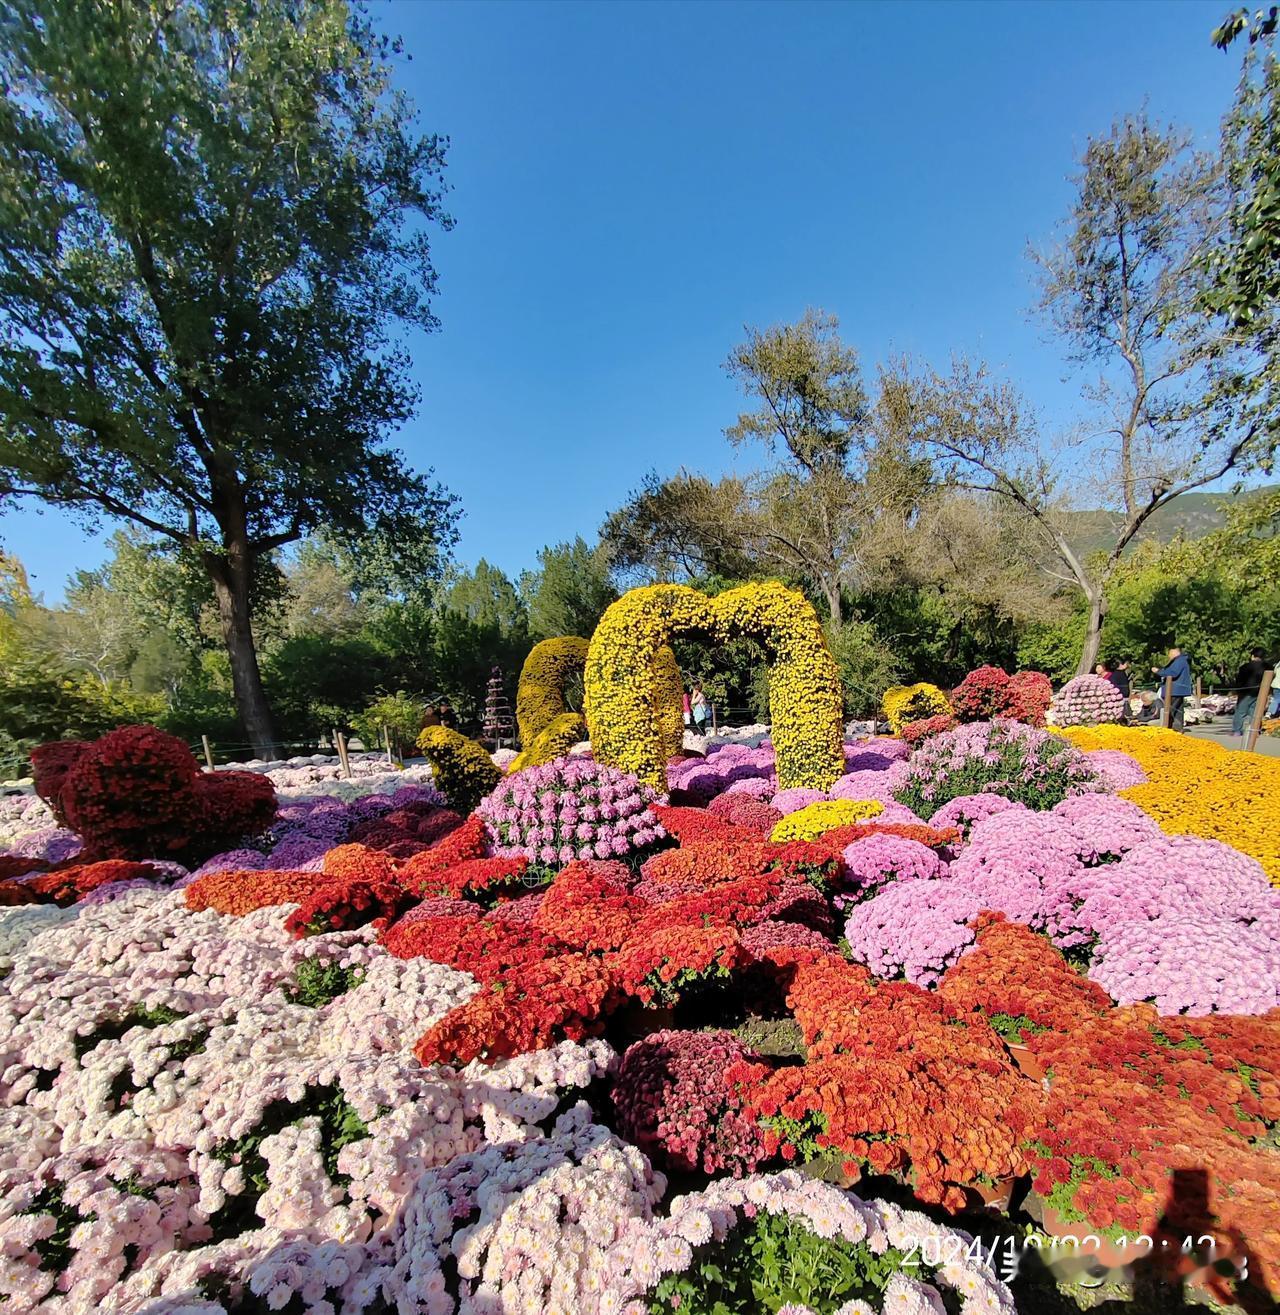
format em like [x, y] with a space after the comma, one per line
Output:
[662, 964]
[347, 902]
[70, 884]
[587, 907]
[238, 893]
[357, 863]
[692, 826]
[898, 1082]
[1022, 976]
[559, 998]
[486, 948]
[1135, 1098]
[428, 873]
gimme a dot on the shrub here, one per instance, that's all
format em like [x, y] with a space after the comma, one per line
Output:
[399, 714]
[673, 1102]
[132, 794]
[1027, 697]
[461, 768]
[1020, 762]
[235, 804]
[51, 764]
[570, 808]
[981, 695]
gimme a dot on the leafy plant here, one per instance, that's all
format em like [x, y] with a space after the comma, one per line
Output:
[316, 983]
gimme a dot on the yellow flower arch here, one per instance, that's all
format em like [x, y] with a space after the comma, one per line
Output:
[632, 699]
[540, 694]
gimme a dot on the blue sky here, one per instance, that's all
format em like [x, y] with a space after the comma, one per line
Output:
[633, 183]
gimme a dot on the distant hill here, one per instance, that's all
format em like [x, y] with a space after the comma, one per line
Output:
[1193, 515]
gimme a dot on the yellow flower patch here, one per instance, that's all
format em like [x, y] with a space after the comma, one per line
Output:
[903, 704]
[1199, 788]
[813, 820]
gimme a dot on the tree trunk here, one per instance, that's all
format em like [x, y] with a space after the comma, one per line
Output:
[835, 604]
[230, 574]
[1093, 633]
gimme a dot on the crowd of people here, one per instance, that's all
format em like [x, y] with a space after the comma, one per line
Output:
[1146, 706]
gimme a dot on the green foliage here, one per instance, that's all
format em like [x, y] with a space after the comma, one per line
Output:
[568, 593]
[1053, 646]
[401, 716]
[199, 288]
[774, 1260]
[316, 983]
[867, 666]
[55, 1251]
[113, 1029]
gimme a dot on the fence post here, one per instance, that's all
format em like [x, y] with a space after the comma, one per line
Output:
[1166, 712]
[1260, 710]
[1199, 692]
[340, 741]
[386, 739]
[208, 752]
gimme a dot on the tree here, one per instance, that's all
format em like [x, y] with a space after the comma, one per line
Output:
[1122, 291]
[200, 273]
[486, 596]
[568, 593]
[1243, 265]
[814, 416]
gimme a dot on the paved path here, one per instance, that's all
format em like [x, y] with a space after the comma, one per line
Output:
[1220, 733]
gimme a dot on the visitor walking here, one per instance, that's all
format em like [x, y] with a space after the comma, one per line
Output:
[1248, 679]
[688, 711]
[699, 708]
[1178, 669]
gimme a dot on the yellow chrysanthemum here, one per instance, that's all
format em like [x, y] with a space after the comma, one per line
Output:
[1198, 788]
[813, 820]
[631, 695]
[907, 703]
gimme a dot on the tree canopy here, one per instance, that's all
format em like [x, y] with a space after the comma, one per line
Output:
[213, 215]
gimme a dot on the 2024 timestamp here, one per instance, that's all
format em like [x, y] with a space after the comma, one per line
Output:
[1005, 1254]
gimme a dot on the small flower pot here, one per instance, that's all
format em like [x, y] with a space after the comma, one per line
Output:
[995, 1196]
[1026, 1061]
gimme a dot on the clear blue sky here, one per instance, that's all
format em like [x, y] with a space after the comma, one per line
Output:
[635, 182]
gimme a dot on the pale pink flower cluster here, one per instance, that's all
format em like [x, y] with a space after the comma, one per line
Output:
[653, 1248]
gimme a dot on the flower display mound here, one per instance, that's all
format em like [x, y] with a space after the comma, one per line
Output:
[673, 1102]
[1086, 701]
[460, 766]
[903, 704]
[632, 700]
[823, 815]
[960, 1109]
[1022, 763]
[568, 809]
[990, 692]
[1133, 1095]
[789, 1244]
[138, 793]
[1196, 787]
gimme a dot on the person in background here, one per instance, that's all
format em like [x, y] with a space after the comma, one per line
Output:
[688, 711]
[446, 715]
[699, 708]
[430, 718]
[1100, 669]
[1248, 678]
[1178, 669]
[1118, 674]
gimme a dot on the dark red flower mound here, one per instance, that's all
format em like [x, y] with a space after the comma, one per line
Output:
[138, 793]
[235, 804]
[50, 764]
[14, 865]
[12, 893]
[673, 1101]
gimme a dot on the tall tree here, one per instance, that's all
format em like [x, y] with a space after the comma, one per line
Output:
[213, 215]
[1122, 291]
[813, 417]
[568, 593]
[1243, 293]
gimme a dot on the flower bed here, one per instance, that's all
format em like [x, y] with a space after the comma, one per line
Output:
[403, 1074]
